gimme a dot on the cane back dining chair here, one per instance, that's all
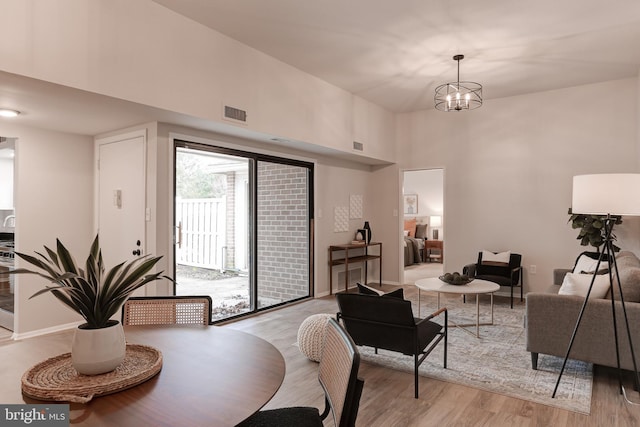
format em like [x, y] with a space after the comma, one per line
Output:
[167, 310]
[338, 376]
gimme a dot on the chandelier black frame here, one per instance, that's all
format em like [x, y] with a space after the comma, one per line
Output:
[458, 96]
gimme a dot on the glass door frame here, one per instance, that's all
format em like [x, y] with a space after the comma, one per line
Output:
[254, 158]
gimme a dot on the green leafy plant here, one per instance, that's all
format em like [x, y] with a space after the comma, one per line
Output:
[90, 292]
[592, 230]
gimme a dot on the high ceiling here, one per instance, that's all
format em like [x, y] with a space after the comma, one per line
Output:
[395, 52]
[391, 52]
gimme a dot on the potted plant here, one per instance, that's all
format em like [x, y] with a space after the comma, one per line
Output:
[592, 231]
[99, 345]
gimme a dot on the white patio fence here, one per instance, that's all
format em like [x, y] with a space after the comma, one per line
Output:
[203, 224]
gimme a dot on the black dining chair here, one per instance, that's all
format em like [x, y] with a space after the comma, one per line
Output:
[338, 376]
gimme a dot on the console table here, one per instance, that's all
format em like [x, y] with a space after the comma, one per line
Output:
[362, 255]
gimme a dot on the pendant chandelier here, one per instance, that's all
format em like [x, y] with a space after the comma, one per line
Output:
[458, 96]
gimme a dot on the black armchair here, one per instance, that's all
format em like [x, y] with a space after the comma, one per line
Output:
[504, 275]
[387, 322]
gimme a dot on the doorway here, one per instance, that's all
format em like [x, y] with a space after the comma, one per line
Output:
[243, 228]
[423, 243]
[7, 234]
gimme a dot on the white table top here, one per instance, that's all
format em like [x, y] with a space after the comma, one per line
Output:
[477, 286]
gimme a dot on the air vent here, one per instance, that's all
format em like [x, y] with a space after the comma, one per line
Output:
[235, 114]
[358, 146]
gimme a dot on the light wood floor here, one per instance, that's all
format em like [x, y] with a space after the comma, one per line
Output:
[387, 398]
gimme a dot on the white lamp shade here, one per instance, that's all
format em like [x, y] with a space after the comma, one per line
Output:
[435, 220]
[602, 194]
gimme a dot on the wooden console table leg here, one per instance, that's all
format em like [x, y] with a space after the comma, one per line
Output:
[346, 270]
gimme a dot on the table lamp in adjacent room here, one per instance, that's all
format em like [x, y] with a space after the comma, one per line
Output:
[435, 221]
[610, 195]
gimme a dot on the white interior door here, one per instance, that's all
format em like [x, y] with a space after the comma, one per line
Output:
[121, 199]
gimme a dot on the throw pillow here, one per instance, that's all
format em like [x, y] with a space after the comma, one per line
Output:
[421, 231]
[587, 264]
[368, 290]
[578, 284]
[500, 259]
[410, 226]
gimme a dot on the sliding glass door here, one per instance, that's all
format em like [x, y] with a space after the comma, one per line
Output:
[243, 228]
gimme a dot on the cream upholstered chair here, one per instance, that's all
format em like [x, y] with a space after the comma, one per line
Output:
[167, 310]
[338, 376]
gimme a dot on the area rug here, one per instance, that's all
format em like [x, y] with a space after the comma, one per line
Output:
[497, 361]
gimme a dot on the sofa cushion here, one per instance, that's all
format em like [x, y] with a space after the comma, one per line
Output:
[630, 283]
[627, 259]
[578, 284]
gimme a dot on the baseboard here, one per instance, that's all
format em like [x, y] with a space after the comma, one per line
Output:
[46, 331]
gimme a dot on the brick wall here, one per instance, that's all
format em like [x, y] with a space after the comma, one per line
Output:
[283, 233]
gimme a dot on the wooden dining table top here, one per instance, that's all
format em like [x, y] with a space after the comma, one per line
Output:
[211, 376]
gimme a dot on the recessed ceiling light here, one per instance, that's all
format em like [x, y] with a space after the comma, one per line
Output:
[8, 113]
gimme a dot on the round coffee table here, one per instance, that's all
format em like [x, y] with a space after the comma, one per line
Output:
[476, 287]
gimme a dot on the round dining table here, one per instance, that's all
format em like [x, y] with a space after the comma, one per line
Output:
[211, 376]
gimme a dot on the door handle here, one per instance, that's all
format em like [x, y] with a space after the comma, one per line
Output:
[179, 234]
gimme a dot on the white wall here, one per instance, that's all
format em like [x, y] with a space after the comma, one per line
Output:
[509, 168]
[142, 52]
[53, 199]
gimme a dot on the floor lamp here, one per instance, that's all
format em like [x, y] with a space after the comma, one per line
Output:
[606, 194]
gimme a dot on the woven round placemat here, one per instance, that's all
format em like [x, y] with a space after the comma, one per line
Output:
[56, 379]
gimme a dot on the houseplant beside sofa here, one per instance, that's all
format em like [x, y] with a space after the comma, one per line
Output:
[551, 319]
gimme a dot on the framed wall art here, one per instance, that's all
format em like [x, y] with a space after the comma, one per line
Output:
[410, 204]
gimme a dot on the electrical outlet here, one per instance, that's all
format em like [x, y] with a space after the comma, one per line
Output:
[532, 269]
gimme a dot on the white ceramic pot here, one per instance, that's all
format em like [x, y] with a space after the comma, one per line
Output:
[97, 351]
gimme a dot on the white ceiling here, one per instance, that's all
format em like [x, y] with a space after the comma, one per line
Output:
[395, 52]
[391, 52]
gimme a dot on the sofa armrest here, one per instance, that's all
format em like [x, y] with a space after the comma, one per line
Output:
[558, 275]
[550, 321]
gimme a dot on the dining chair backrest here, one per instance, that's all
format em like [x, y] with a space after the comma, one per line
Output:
[167, 310]
[338, 374]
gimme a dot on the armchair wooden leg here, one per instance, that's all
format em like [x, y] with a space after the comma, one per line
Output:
[511, 296]
[534, 361]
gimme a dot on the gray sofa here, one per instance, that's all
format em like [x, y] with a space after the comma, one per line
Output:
[551, 318]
